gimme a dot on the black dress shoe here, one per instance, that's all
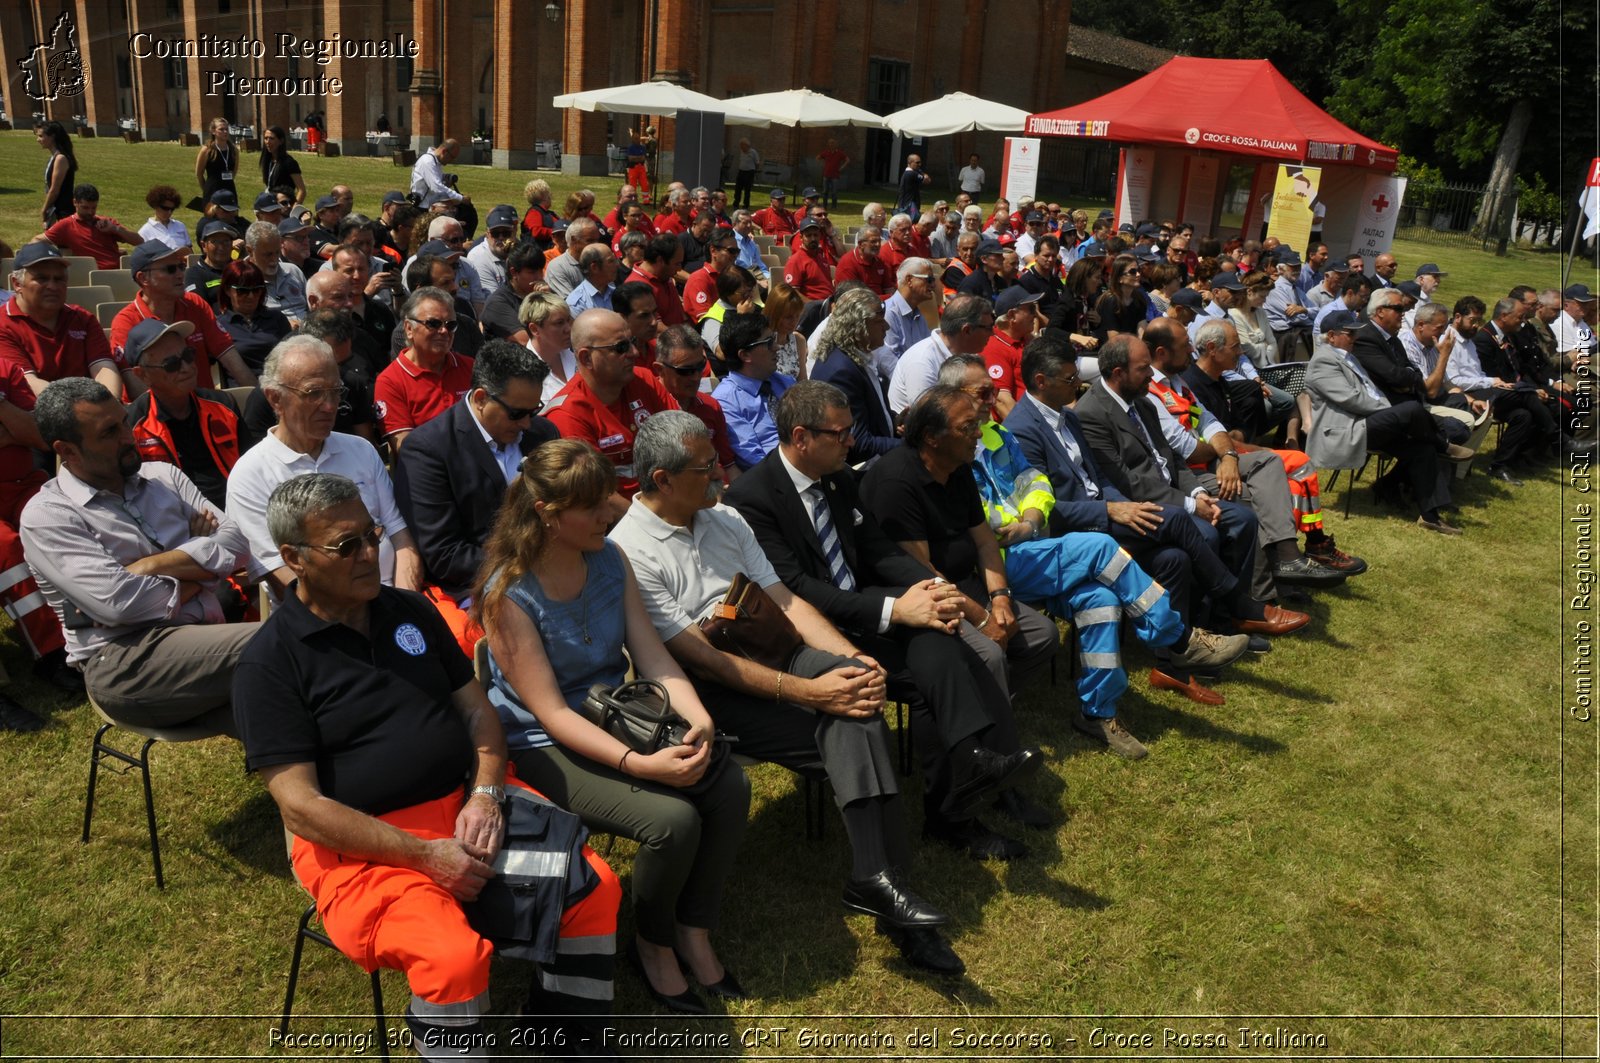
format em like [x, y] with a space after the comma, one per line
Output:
[1020, 808]
[728, 988]
[975, 839]
[1503, 474]
[990, 772]
[924, 947]
[881, 896]
[685, 1003]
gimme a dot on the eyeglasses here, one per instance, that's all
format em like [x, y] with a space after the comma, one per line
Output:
[769, 342]
[692, 369]
[436, 324]
[321, 395]
[985, 394]
[169, 269]
[703, 470]
[345, 549]
[174, 363]
[621, 347]
[516, 413]
[841, 434]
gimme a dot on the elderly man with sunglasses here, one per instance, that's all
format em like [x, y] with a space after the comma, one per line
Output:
[611, 396]
[752, 387]
[158, 270]
[302, 384]
[428, 376]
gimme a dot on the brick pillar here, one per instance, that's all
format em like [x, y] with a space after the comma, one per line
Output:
[149, 77]
[583, 138]
[969, 73]
[264, 18]
[104, 43]
[16, 36]
[462, 52]
[200, 107]
[427, 86]
[1054, 24]
[516, 72]
[347, 117]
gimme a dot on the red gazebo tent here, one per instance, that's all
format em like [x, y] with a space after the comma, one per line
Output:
[1241, 106]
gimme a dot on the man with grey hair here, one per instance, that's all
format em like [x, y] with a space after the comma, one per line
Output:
[685, 550]
[863, 263]
[134, 561]
[286, 284]
[873, 214]
[897, 245]
[449, 231]
[598, 265]
[749, 256]
[915, 284]
[1287, 311]
[1428, 343]
[964, 328]
[427, 376]
[301, 382]
[565, 272]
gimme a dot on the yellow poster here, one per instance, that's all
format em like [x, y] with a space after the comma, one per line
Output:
[1293, 199]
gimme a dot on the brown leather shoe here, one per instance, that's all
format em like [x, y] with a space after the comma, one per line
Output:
[1275, 620]
[1200, 695]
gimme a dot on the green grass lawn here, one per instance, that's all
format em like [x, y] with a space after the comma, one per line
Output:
[1373, 826]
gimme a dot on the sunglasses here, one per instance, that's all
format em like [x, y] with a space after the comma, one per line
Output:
[169, 269]
[173, 364]
[248, 289]
[621, 347]
[345, 549]
[516, 413]
[692, 369]
[436, 324]
[841, 434]
[769, 343]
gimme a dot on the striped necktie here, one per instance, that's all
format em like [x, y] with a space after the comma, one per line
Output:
[828, 536]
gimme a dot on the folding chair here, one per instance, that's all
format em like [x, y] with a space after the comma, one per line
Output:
[210, 725]
[120, 281]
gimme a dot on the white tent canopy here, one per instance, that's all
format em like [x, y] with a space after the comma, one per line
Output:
[657, 97]
[955, 113]
[807, 109]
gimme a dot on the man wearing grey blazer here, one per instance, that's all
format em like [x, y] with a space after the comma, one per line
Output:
[1350, 415]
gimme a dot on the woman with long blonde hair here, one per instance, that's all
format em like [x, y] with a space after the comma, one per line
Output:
[559, 603]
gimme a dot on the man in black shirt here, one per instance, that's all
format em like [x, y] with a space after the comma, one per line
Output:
[365, 722]
[204, 278]
[326, 232]
[524, 273]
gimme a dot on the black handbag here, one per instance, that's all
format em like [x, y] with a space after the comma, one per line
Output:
[639, 714]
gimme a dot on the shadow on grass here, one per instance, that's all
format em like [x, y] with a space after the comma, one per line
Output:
[1149, 721]
[253, 835]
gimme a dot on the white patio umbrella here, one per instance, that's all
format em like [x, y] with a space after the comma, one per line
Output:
[657, 97]
[955, 113]
[807, 109]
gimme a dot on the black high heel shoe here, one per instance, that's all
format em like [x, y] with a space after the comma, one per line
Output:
[687, 1002]
[728, 989]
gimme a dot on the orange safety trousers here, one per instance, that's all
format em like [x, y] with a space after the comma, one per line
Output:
[384, 916]
[466, 630]
[1304, 491]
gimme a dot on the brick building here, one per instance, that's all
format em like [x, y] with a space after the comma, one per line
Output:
[166, 67]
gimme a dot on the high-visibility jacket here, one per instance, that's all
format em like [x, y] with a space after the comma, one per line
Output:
[219, 427]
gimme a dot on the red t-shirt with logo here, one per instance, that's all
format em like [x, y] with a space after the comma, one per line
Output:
[869, 271]
[1003, 357]
[774, 221]
[77, 342]
[806, 275]
[208, 340]
[410, 396]
[578, 414]
[670, 223]
[700, 292]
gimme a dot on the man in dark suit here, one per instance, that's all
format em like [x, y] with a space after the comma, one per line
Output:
[450, 485]
[803, 505]
[1513, 389]
[1129, 446]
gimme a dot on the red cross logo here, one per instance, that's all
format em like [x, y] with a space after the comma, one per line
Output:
[1024, 149]
[1381, 204]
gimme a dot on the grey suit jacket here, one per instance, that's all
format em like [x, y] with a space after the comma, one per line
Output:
[1340, 407]
[1124, 458]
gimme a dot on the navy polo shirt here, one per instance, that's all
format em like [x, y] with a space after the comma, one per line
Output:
[373, 714]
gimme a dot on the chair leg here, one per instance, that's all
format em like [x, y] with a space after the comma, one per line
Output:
[150, 812]
[304, 931]
[377, 1017]
[94, 772]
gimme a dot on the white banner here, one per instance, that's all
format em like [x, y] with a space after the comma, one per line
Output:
[1199, 198]
[1380, 206]
[1135, 170]
[1019, 172]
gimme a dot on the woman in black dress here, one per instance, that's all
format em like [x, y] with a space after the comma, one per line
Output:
[1124, 308]
[280, 172]
[60, 173]
[217, 162]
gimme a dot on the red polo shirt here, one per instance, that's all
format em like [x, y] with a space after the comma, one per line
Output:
[668, 303]
[869, 271]
[86, 241]
[77, 342]
[709, 410]
[16, 460]
[578, 414]
[700, 292]
[892, 256]
[670, 223]
[774, 221]
[410, 396]
[208, 338]
[920, 248]
[1003, 356]
[824, 249]
[807, 276]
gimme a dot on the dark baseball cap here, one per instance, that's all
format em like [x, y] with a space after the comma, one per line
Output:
[809, 223]
[1014, 296]
[1189, 299]
[1229, 279]
[504, 214]
[1431, 269]
[149, 253]
[1286, 257]
[1340, 321]
[1148, 230]
[211, 227]
[1126, 227]
[291, 225]
[433, 199]
[1411, 288]
[778, 193]
[148, 331]
[1579, 293]
[1336, 265]
[395, 196]
[1034, 216]
[266, 203]
[439, 249]
[326, 203]
[42, 252]
[809, 193]
[990, 246]
[225, 199]
[1092, 249]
